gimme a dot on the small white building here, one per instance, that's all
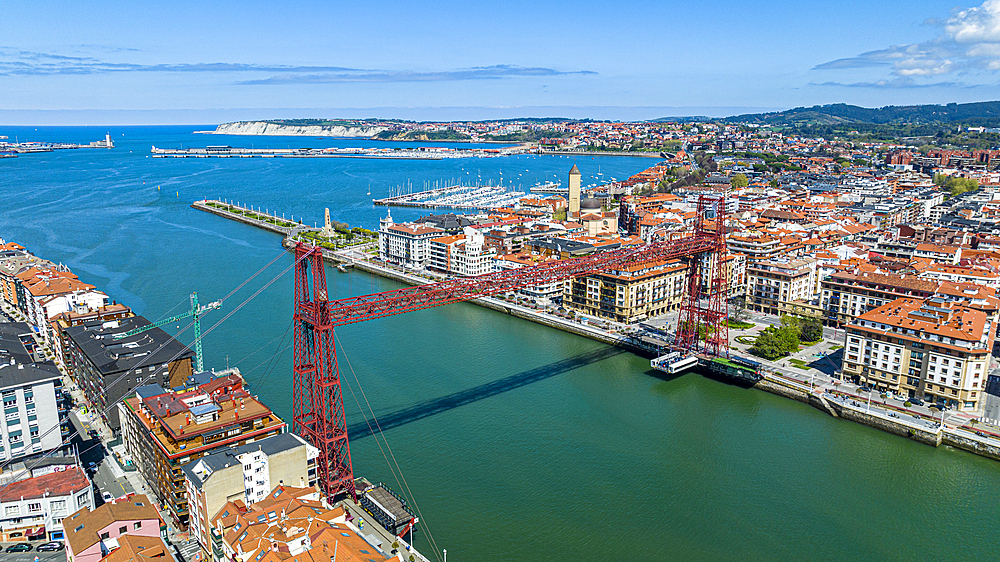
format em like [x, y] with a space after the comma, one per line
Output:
[34, 508]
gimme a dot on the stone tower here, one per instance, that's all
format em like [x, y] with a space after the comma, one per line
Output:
[327, 227]
[574, 192]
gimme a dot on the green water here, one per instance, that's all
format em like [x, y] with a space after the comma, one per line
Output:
[518, 442]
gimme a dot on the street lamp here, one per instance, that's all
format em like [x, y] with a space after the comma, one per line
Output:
[869, 407]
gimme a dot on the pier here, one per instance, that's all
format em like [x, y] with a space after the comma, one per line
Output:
[252, 217]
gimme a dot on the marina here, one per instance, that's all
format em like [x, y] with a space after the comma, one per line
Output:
[459, 196]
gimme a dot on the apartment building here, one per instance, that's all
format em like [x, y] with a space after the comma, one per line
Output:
[543, 294]
[165, 430]
[35, 509]
[407, 245]
[92, 535]
[774, 285]
[629, 294]
[248, 473]
[755, 246]
[962, 274]
[107, 368]
[35, 417]
[922, 347]
[291, 524]
[462, 254]
[847, 295]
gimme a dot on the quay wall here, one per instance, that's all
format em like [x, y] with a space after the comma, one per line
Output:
[200, 205]
[896, 426]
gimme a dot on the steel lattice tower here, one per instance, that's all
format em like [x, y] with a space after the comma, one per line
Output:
[708, 279]
[317, 401]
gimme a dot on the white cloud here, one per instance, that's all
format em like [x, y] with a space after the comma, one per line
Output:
[969, 43]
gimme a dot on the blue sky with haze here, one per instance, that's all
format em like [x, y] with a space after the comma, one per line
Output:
[214, 61]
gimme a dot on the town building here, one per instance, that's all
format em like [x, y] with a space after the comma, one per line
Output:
[773, 285]
[756, 246]
[136, 548]
[922, 347]
[462, 254]
[36, 508]
[165, 430]
[107, 368]
[246, 472]
[846, 295]
[543, 294]
[407, 245]
[91, 535]
[35, 416]
[291, 524]
[629, 294]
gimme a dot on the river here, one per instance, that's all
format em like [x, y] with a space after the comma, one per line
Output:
[519, 442]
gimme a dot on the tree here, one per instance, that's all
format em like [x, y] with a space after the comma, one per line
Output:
[776, 342]
[767, 345]
[958, 186]
[788, 337]
[811, 329]
[773, 183]
[740, 311]
[738, 181]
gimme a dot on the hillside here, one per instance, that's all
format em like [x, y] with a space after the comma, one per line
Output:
[971, 114]
[300, 127]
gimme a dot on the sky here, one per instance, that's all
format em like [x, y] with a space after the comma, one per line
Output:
[210, 62]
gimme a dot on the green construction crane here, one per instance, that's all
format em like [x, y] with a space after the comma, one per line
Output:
[195, 311]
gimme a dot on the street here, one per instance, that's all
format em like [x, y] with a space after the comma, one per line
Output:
[30, 556]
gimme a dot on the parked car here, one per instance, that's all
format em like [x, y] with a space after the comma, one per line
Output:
[19, 547]
[50, 547]
[916, 401]
[107, 497]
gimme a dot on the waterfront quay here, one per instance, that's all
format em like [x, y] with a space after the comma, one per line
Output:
[251, 216]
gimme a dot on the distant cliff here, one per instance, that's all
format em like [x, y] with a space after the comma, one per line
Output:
[296, 130]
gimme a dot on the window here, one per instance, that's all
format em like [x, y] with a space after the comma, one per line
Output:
[12, 510]
[105, 536]
[33, 507]
[123, 529]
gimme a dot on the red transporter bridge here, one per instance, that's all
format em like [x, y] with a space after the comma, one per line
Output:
[317, 403]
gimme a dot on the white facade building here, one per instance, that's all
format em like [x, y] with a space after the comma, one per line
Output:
[34, 508]
[407, 245]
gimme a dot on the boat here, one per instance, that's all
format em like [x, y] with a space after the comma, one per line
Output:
[341, 268]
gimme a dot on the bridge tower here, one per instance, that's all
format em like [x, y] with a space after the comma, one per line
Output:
[317, 401]
[703, 321]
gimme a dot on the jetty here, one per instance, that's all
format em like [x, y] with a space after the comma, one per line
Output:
[251, 216]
